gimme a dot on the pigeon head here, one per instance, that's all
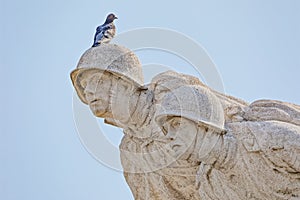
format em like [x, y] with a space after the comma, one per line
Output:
[110, 18]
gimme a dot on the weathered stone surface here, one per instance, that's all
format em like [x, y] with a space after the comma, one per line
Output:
[183, 140]
[110, 58]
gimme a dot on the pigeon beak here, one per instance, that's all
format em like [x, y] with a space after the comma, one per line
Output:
[116, 18]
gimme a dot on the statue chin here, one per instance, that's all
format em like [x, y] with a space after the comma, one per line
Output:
[100, 114]
[100, 111]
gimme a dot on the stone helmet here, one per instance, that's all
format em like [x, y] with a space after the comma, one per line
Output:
[112, 58]
[196, 103]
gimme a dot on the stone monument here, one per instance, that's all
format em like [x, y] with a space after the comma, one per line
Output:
[183, 140]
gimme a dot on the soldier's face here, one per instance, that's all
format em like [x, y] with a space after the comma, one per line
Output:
[97, 93]
[181, 134]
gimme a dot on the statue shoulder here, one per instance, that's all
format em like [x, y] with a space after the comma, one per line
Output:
[278, 142]
[267, 110]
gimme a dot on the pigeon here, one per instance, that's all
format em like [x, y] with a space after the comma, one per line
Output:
[106, 31]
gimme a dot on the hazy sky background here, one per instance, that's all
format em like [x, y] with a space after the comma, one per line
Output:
[255, 45]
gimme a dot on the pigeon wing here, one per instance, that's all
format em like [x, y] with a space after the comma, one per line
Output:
[100, 32]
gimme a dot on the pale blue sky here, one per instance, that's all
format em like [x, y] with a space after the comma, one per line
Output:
[255, 45]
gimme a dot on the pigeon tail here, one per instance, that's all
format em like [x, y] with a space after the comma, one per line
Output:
[94, 45]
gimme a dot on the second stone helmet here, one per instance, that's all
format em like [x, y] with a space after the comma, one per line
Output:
[112, 58]
[195, 103]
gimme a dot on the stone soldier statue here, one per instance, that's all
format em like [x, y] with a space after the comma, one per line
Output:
[239, 160]
[109, 79]
[189, 164]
